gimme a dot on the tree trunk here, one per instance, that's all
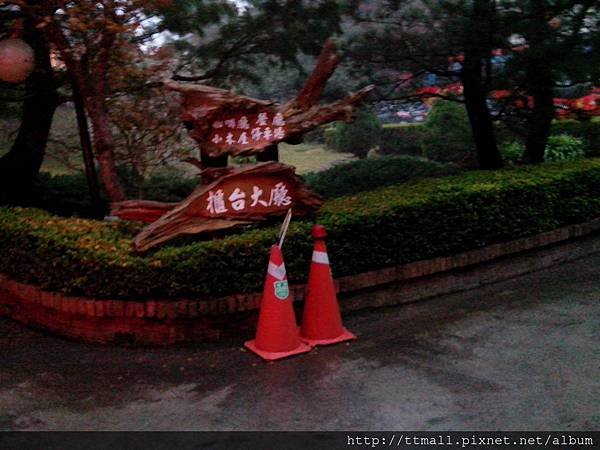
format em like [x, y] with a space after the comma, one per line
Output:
[91, 83]
[21, 165]
[477, 50]
[539, 123]
[104, 145]
[538, 76]
[88, 153]
[482, 127]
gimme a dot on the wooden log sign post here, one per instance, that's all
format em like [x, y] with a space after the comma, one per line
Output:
[246, 195]
[227, 124]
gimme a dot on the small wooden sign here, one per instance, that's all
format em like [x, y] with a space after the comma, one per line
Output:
[246, 131]
[226, 123]
[248, 194]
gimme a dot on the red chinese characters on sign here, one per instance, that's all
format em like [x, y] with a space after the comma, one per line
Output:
[238, 131]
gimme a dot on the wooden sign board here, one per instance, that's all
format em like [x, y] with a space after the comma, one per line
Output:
[239, 131]
[140, 210]
[253, 194]
[224, 123]
[248, 194]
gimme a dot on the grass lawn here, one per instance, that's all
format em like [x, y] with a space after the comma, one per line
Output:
[304, 157]
[310, 157]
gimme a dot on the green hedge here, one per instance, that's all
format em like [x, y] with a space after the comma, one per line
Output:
[587, 131]
[367, 174]
[399, 139]
[402, 140]
[357, 137]
[68, 194]
[381, 228]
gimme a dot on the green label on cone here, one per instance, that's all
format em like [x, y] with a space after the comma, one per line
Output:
[282, 289]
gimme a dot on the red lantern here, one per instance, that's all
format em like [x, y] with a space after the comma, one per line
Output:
[17, 60]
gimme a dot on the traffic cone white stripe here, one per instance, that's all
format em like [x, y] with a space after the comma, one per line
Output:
[320, 257]
[321, 319]
[276, 271]
[277, 334]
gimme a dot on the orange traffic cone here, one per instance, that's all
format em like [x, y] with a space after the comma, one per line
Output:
[277, 332]
[321, 320]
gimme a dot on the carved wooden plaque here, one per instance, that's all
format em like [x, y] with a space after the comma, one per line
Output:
[248, 194]
[240, 131]
[226, 123]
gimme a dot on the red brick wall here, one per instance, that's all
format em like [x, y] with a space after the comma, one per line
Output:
[166, 322]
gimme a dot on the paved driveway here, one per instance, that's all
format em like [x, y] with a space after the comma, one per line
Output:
[521, 355]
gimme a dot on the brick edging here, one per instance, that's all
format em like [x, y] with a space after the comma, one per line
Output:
[468, 258]
[164, 322]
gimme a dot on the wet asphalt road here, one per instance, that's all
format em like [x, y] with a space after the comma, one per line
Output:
[517, 355]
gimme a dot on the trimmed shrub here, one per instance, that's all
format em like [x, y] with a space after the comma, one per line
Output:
[559, 148]
[317, 136]
[357, 137]
[587, 131]
[68, 195]
[402, 140]
[367, 174]
[512, 152]
[506, 135]
[447, 136]
[169, 188]
[380, 228]
[564, 148]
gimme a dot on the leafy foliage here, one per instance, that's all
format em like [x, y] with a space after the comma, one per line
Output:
[357, 137]
[410, 222]
[587, 131]
[317, 136]
[367, 174]
[512, 152]
[167, 187]
[561, 147]
[402, 140]
[147, 134]
[564, 148]
[68, 195]
[447, 135]
[262, 33]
